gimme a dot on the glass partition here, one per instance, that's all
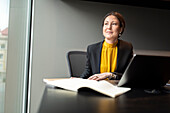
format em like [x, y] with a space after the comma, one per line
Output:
[17, 57]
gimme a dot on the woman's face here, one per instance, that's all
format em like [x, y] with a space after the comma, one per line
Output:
[111, 28]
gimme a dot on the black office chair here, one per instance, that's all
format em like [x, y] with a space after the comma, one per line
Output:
[76, 62]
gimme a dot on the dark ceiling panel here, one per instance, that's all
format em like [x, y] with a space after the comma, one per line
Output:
[159, 4]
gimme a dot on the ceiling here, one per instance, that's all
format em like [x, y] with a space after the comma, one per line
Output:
[159, 4]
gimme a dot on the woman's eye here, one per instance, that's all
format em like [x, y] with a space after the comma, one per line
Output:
[105, 23]
[114, 23]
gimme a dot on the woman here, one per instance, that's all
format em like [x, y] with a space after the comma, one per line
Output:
[108, 59]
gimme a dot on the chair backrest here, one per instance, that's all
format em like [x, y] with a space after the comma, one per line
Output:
[76, 62]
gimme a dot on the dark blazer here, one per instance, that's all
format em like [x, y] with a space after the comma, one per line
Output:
[125, 53]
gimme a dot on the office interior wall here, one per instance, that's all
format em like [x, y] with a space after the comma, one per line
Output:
[61, 26]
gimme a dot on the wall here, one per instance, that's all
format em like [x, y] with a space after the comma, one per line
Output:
[60, 26]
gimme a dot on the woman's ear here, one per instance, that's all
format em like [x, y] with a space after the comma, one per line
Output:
[121, 29]
[120, 32]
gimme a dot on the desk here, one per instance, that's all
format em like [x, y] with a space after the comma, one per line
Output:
[135, 101]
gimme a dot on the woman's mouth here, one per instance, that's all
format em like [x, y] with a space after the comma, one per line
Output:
[109, 32]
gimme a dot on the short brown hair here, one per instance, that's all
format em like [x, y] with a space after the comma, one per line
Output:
[119, 17]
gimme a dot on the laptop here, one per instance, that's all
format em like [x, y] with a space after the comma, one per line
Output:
[146, 71]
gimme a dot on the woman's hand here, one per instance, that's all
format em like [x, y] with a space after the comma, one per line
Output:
[101, 76]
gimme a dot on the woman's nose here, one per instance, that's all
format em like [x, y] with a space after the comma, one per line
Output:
[109, 26]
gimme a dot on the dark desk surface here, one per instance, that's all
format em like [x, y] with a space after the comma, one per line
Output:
[135, 101]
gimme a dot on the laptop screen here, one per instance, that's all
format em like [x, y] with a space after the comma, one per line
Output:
[146, 71]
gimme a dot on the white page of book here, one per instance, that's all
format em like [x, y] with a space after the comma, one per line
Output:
[102, 86]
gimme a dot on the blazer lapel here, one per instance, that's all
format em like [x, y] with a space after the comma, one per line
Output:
[97, 57]
[119, 54]
[99, 51]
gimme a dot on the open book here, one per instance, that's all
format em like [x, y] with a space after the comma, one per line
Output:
[74, 84]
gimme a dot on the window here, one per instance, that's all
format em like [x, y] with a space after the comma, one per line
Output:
[1, 68]
[4, 14]
[2, 46]
[14, 51]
